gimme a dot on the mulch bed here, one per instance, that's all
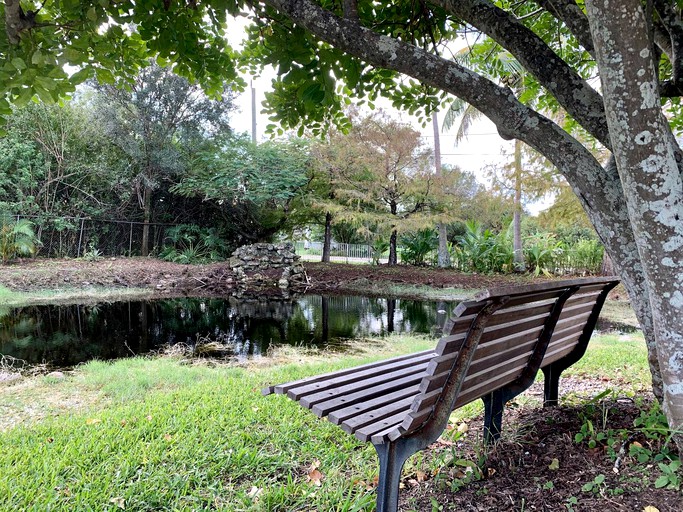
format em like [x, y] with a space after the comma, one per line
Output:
[537, 465]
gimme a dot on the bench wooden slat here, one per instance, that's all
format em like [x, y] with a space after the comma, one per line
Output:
[485, 387]
[298, 392]
[358, 408]
[524, 339]
[365, 433]
[377, 383]
[283, 388]
[336, 408]
[372, 417]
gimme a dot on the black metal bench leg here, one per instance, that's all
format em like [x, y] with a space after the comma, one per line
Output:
[493, 415]
[392, 457]
[551, 388]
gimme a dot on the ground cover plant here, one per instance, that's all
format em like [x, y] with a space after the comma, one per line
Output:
[169, 434]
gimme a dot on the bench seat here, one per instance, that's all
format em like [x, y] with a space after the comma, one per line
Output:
[492, 348]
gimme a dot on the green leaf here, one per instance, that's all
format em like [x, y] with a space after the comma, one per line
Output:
[104, 76]
[48, 83]
[662, 481]
[38, 58]
[24, 97]
[18, 63]
[92, 13]
[81, 76]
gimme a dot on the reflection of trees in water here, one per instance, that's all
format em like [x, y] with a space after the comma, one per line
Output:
[66, 335]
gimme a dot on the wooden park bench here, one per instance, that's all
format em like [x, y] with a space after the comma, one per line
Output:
[492, 348]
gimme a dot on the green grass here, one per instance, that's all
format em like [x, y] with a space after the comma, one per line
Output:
[160, 435]
[11, 298]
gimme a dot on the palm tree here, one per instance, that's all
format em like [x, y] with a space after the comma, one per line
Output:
[513, 76]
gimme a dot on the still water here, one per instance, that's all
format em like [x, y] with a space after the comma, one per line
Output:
[68, 335]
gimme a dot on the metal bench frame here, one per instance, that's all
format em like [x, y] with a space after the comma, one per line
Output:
[402, 405]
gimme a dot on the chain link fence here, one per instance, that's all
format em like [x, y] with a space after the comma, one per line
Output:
[74, 237]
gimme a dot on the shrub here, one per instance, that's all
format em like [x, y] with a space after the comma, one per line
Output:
[190, 243]
[17, 238]
[416, 246]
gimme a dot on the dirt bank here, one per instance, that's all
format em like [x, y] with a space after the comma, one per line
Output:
[165, 278]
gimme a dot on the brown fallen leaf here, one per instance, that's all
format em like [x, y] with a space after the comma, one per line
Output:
[421, 476]
[315, 476]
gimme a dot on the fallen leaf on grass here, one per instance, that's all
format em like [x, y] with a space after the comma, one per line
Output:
[463, 427]
[93, 421]
[168, 437]
[315, 476]
[254, 492]
[119, 502]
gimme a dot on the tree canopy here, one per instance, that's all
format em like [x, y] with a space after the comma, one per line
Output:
[327, 51]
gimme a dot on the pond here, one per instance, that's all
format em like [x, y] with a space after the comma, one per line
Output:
[67, 335]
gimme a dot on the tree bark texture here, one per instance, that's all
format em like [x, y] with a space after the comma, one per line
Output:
[327, 240]
[518, 258]
[646, 160]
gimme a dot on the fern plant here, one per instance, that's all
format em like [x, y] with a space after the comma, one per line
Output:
[17, 238]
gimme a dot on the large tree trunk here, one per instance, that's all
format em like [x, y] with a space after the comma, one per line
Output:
[645, 154]
[518, 252]
[327, 240]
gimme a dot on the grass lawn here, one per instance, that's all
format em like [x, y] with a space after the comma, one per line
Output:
[161, 434]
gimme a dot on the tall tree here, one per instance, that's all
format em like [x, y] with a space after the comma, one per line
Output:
[382, 176]
[155, 121]
[634, 201]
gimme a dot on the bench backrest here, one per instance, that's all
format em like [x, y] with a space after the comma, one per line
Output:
[503, 336]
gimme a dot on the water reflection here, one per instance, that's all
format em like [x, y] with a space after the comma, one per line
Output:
[67, 335]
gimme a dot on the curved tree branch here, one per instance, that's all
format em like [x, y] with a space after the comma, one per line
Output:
[571, 91]
[574, 18]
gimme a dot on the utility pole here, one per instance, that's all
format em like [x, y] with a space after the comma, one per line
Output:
[253, 113]
[444, 259]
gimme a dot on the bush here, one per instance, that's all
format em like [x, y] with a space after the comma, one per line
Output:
[190, 243]
[17, 238]
[416, 246]
[481, 250]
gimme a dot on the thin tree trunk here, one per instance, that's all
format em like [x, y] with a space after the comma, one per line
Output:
[518, 252]
[393, 259]
[147, 217]
[444, 259]
[327, 241]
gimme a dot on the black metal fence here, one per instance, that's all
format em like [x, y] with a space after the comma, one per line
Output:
[76, 237]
